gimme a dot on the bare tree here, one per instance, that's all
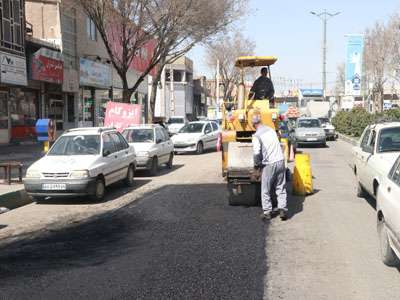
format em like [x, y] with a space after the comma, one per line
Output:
[377, 61]
[181, 24]
[340, 80]
[226, 50]
[174, 26]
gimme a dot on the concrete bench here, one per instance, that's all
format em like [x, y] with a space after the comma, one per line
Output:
[8, 166]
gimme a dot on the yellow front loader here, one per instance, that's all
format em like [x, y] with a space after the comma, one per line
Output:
[237, 132]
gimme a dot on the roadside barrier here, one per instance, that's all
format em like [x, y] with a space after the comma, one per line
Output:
[302, 175]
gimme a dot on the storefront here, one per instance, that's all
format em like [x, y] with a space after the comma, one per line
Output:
[95, 86]
[13, 77]
[47, 71]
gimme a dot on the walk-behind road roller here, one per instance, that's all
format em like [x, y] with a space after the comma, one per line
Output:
[237, 132]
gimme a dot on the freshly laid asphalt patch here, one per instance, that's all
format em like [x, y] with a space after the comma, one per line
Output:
[179, 242]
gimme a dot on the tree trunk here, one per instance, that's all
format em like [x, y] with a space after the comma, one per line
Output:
[126, 92]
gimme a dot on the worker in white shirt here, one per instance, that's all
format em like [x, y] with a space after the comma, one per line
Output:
[269, 163]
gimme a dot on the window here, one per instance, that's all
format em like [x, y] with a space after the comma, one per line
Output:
[208, 128]
[108, 145]
[159, 135]
[117, 142]
[12, 25]
[165, 133]
[373, 138]
[91, 29]
[309, 123]
[215, 126]
[145, 135]
[122, 141]
[389, 140]
[76, 145]
[364, 141]
[396, 174]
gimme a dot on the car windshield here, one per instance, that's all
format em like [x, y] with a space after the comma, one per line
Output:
[192, 128]
[308, 123]
[76, 145]
[176, 121]
[389, 140]
[142, 135]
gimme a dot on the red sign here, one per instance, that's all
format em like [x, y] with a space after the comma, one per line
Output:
[47, 66]
[143, 58]
[122, 115]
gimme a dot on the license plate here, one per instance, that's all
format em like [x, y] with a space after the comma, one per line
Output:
[54, 186]
[311, 139]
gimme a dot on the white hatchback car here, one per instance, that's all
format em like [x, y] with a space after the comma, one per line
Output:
[153, 146]
[378, 149]
[83, 161]
[388, 212]
[197, 137]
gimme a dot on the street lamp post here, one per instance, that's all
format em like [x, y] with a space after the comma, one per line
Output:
[324, 16]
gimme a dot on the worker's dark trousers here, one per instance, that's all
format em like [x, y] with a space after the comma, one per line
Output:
[273, 179]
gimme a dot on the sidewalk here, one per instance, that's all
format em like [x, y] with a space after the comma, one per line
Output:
[13, 196]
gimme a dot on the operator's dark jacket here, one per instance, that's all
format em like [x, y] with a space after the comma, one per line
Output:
[263, 88]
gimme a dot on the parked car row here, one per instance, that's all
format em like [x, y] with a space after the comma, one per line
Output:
[84, 161]
[377, 169]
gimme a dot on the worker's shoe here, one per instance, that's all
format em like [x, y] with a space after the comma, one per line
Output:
[265, 216]
[283, 214]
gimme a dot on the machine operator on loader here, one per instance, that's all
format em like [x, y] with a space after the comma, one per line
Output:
[263, 87]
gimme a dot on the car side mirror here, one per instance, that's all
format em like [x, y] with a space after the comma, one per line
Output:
[158, 141]
[106, 153]
[207, 131]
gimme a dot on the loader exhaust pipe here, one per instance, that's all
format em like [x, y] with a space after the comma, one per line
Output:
[241, 91]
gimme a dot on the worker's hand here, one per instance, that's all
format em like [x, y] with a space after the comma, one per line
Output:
[256, 175]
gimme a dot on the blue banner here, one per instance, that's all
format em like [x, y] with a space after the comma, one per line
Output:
[312, 92]
[354, 58]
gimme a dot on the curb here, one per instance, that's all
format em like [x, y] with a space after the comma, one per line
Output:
[14, 199]
[348, 139]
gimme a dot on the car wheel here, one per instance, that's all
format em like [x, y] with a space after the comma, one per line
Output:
[129, 180]
[170, 161]
[154, 166]
[360, 191]
[200, 148]
[99, 190]
[388, 256]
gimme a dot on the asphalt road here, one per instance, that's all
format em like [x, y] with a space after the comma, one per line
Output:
[182, 241]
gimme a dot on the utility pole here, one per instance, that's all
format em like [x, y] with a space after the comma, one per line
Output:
[172, 94]
[324, 16]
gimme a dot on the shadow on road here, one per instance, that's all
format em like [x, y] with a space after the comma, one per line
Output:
[113, 192]
[2, 226]
[371, 201]
[164, 170]
[180, 241]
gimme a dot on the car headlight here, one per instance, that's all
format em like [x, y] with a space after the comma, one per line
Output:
[143, 153]
[79, 174]
[32, 174]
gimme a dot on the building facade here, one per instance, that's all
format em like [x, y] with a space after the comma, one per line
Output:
[175, 92]
[13, 78]
[89, 80]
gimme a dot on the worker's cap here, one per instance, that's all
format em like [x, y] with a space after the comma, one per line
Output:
[256, 119]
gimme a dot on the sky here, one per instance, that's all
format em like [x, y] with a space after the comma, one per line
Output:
[286, 29]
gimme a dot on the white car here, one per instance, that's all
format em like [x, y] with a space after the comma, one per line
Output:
[388, 213]
[153, 146]
[378, 149]
[330, 131]
[82, 161]
[196, 137]
[175, 124]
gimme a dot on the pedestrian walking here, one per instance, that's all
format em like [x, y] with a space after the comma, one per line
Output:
[269, 164]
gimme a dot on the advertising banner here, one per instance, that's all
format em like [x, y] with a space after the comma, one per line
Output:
[354, 58]
[47, 65]
[122, 115]
[13, 69]
[94, 74]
